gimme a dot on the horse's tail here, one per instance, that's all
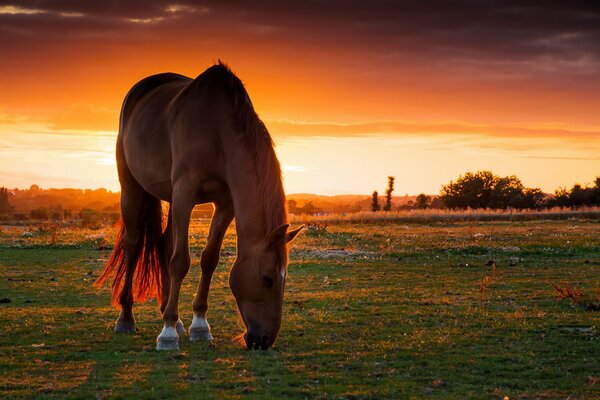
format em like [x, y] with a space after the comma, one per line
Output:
[150, 256]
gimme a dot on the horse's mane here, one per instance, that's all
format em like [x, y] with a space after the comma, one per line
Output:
[258, 141]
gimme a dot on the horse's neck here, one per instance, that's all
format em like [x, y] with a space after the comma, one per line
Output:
[249, 206]
[249, 213]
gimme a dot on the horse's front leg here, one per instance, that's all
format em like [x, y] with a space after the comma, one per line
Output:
[179, 265]
[200, 329]
[165, 276]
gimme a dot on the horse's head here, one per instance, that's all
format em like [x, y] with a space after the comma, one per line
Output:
[257, 281]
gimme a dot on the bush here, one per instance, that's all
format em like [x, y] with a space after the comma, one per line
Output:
[40, 213]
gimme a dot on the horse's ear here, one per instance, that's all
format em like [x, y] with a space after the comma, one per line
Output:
[289, 236]
[278, 235]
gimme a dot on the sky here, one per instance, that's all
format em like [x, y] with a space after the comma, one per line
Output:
[351, 91]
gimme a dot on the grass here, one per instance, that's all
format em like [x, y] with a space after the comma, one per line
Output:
[372, 311]
[433, 215]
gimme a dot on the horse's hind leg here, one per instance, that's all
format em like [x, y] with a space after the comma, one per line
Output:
[200, 329]
[131, 203]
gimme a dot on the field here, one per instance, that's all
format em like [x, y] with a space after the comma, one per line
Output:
[380, 310]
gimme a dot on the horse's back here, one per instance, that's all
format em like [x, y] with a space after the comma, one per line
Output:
[172, 127]
[145, 86]
[143, 132]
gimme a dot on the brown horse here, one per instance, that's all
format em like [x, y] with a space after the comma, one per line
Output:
[186, 142]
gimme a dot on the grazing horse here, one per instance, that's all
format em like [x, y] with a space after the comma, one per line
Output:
[186, 142]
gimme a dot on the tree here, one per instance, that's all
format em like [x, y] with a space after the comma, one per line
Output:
[596, 192]
[292, 206]
[4, 204]
[561, 197]
[471, 190]
[534, 198]
[506, 192]
[423, 201]
[388, 194]
[578, 196]
[375, 202]
[483, 189]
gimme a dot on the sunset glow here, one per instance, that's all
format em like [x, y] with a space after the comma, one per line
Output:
[359, 95]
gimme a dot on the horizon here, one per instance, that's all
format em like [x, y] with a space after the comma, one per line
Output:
[287, 194]
[381, 192]
[421, 93]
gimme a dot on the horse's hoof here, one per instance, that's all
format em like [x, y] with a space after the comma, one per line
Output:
[167, 344]
[200, 330]
[199, 334]
[180, 328]
[168, 339]
[124, 327]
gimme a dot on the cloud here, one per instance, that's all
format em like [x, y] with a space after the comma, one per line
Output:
[564, 34]
[16, 10]
[393, 128]
[80, 118]
[74, 117]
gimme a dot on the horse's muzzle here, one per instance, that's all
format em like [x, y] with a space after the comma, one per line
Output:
[256, 341]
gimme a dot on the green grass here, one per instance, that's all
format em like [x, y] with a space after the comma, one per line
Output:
[371, 311]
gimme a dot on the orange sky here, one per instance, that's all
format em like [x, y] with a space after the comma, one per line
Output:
[350, 94]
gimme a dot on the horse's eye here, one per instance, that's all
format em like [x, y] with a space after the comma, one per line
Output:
[267, 281]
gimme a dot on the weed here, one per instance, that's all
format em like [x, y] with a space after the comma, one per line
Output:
[577, 296]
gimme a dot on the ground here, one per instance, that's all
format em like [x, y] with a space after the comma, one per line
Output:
[386, 310]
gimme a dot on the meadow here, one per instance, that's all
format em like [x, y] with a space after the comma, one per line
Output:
[386, 309]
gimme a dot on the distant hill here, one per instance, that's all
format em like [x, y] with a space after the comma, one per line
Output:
[25, 200]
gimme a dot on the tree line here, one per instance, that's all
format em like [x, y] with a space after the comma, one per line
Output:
[481, 189]
[484, 189]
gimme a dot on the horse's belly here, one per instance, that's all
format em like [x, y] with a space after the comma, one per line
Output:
[149, 163]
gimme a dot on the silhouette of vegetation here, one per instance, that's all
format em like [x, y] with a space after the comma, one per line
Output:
[578, 196]
[307, 208]
[375, 202]
[483, 189]
[292, 206]
[40, 213]
[480, 190]
[25, 200]
[388, 194]
[423, 201]
[577, 296]
[4, 204]
[90, 217]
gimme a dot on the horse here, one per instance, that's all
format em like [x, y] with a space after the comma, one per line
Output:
[190, 141]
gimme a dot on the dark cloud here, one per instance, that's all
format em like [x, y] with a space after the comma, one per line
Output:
[432, 47]
[509, 30]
